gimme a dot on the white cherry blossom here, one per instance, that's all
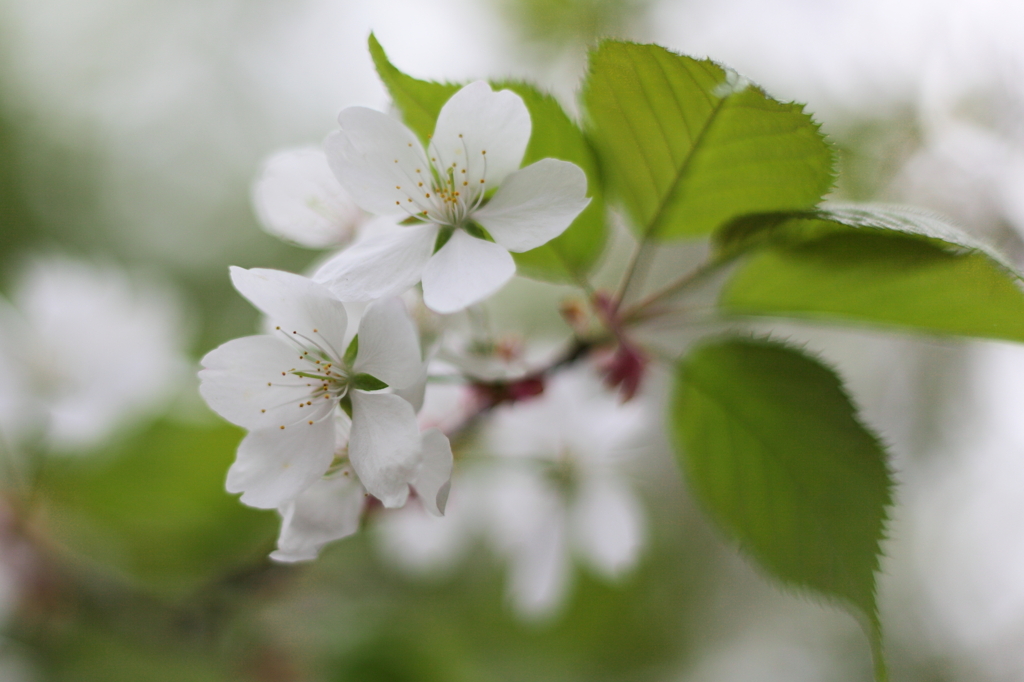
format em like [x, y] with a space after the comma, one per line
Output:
[84, 349]
[297, 198]
[477, 146]
[554, 491]
[286, 387]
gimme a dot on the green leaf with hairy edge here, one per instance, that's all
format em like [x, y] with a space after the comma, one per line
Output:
[569, 256]
[687, 145]
[367, 382]
[419, 101]
[871, 265]
[772, 447]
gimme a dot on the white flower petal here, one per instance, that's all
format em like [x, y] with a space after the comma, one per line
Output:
[389, 347]
[275, 465]
[416, 392]
[327, 510]
[466, 270]
[539, 573]
[385, 445]
[423, 544]
[535, 204]
[477, 120]
[607, 526]
[246, 381]
[432, 479]
[78, 320]
[383, 265]
[297, 198]
[379, 161]
[300, 306]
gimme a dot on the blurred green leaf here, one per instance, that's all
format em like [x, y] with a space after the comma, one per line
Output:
[554, 135]
[689, 146]
[92, 654]
[156, 509]
[772, 447]
[876, 265]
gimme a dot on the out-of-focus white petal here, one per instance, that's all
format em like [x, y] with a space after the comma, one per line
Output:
[432, 478]
[275, 465]
[97, 347]
[385, 264]
[389, 347]
[607, 526]
[378, 160]
[484, 131]
[327, 510]
[421, 543]
[385, 445]
[539, 571]
[297, 198]
[535, 204]
[300, 306]
[246, 381]
[465, 271]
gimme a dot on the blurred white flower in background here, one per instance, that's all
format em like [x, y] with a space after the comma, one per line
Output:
[298, 199]
[967, 513]
[554, 487]
[85, 349]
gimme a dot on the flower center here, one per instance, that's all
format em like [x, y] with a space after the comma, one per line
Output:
[449, 189]
[326, 377]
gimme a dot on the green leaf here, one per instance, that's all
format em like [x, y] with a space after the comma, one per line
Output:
[367, 382]
[687, 145]
[157, 510]
[874, 265]
[566, 258]
[772, 447]
[419, 101]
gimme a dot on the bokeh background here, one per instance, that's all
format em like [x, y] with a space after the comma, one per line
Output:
[130, 132]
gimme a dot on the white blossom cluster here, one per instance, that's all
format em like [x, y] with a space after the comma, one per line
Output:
[330, 394]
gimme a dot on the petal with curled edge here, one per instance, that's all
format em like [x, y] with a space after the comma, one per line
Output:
[327, 510]
[483, 132]
[387, 263]
[465, 271]
[384, 447]
[380, 162]
[389, 347]
[535, 204]
[247, 381]
[433, 475]
[302, 308]
[275, 465]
